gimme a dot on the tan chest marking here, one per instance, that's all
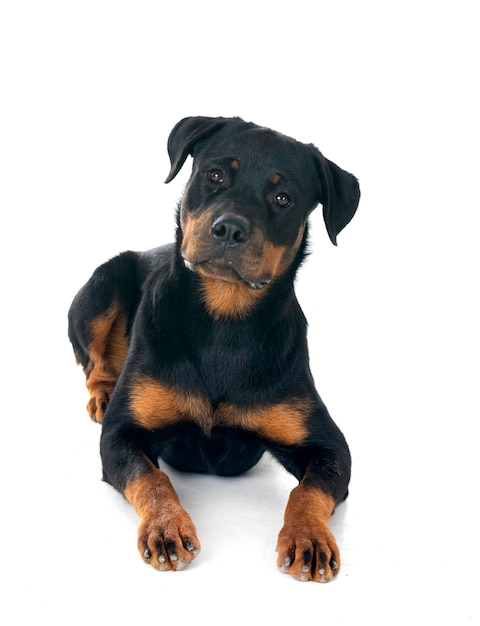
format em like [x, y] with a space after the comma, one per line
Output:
[284, 422]
[155, 406]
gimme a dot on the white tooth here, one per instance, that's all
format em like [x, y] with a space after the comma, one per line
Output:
[259, 285]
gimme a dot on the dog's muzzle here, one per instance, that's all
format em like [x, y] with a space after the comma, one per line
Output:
[225, 247]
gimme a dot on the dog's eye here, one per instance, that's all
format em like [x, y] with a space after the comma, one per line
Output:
[282, 199]
[215, 176]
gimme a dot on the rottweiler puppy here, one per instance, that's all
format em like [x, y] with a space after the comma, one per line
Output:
[195, 352]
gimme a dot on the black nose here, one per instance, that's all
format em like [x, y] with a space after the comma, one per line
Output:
[230, 230]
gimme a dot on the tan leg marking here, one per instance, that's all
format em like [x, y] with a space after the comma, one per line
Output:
[167, 538]
[107, 351]
[307, 549]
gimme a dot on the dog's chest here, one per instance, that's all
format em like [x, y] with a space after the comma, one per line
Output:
[219, 381]
[225, 369]
[157, 407]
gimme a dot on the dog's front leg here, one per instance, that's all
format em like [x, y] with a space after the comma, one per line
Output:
[307, 549]
[167, 538]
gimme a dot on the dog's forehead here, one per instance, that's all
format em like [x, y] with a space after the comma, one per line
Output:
[260, 148]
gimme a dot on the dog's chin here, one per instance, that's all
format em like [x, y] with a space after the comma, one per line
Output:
[225, 272]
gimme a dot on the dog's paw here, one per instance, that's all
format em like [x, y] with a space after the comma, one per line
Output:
[308, 552]
[168, 541]
[97, 405]
[100, 393]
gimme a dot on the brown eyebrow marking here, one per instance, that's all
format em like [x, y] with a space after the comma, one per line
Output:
[275, 178]
[235, 164]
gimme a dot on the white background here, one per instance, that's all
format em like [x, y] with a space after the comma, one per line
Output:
[387, 90]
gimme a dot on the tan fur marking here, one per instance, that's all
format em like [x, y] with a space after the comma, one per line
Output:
[224, 293]
[107, 351]
[235, 165]
[305, 500]
[147, 491]
[275, 178]
[284, 422]
[156, 405]
[272, 259]
[190, 235]
[230, 300]
[167, 538]
[278, 258]
[304, 532]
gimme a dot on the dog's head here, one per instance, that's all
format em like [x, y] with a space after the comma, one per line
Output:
[245, 208]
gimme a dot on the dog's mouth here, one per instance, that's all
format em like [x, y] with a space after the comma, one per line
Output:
[224, 270]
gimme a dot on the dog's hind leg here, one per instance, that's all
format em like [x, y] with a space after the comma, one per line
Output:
[99, 321]
[107, 353]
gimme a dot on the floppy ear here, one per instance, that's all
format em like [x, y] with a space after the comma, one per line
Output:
[185, 134]
[339, 195]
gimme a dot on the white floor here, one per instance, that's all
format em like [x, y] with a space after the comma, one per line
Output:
[388, 92]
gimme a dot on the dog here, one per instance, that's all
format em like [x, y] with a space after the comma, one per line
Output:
[195, 352]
